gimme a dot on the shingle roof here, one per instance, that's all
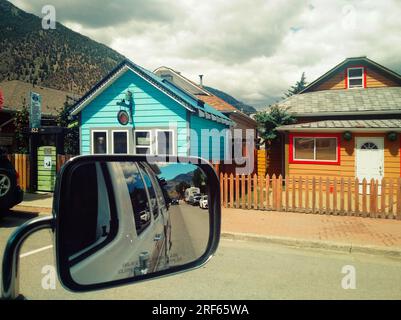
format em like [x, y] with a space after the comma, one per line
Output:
[355, 101]
[385, 124]
[217, 103]
[16, 93]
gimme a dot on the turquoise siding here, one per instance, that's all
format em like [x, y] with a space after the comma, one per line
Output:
[152, 108]
[208, 147]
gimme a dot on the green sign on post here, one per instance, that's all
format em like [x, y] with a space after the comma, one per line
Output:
[35, 111]
[47, 161]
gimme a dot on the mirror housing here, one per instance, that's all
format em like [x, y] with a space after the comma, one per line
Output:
[62, 202]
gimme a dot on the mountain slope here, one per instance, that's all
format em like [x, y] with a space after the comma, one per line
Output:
[231, 100]
[60, 58]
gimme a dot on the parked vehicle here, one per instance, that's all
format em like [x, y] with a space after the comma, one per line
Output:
[194, 200]
[175, 201]
[204, 202]
[10, 192]
[190, 192]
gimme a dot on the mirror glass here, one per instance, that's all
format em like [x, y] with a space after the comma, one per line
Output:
[125, 219]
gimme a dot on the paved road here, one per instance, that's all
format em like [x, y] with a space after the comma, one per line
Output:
[189, 231]
[240, 270]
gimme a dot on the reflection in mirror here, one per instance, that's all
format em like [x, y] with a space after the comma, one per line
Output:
[133, 218]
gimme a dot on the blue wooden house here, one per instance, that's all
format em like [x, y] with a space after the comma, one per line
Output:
[133, 111]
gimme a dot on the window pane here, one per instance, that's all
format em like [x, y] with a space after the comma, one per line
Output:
[142, 150]
[326, 149]
[142, 138]
[353, 83]
[355, 73]
[138, 196]
[303, 148]
[151, 190]
[99, 142]
[120, 142]
[164, 142]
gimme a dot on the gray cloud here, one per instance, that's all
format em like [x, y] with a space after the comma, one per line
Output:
[254, 50]
[104, 13]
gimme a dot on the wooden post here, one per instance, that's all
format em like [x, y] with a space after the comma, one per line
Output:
[372, 198]
[267, 182]
[364, 197]
[249, 204]
[280, 193]
[335, 196]
[261, 192]
[255, 191]
[274, 192]
[313, 195]
[231, 190]
[383, 199]
[349, 197]
[391, 199]
[320, 195]
[356, 193]
[306, 195]
[221, 189]
[399, 199]
[299, 194]
[225, 190]
[327, 196]
[243, 192]
[342, 197]
[287, 194]
[237, 191]
[294, 207]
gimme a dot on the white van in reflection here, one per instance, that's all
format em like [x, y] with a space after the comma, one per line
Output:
[190, 193]
[132, 216]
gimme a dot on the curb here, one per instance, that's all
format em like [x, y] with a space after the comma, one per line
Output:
[311, 244]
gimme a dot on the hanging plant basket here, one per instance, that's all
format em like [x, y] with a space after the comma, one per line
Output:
[347, 135]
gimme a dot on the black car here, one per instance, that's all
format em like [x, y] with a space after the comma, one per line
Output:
[10, 192]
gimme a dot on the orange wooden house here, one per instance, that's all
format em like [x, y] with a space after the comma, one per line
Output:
[348, 124]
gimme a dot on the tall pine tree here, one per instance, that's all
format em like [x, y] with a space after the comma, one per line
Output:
[298, 87]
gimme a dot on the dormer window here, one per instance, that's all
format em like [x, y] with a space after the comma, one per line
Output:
[355, 77]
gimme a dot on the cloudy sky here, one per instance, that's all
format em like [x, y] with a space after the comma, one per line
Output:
[252, 49]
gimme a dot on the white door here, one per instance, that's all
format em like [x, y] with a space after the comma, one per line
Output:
[369, 159]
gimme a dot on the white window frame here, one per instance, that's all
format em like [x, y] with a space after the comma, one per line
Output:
[93, 140]
[150, 139]
[112, 140]
[173, 140]
[362, 77]
[314, 149]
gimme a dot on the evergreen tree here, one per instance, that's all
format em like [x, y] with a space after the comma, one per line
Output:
[298, 87]
[71, 138]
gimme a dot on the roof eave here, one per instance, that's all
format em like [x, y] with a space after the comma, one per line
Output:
[378, 130]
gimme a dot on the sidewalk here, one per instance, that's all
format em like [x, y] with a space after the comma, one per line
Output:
[36, 202]
[312, 230]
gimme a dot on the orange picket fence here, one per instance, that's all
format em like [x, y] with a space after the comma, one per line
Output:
[317, 195]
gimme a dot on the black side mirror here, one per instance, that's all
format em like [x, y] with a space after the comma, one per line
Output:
[114, 223]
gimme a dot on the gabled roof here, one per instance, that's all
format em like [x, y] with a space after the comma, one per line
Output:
[351, 125]
[185, 99]
[353, 61]
[339, 102]
[16, 94]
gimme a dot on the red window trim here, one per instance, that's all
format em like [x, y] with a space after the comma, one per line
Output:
[314, 135]
[364, 75]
